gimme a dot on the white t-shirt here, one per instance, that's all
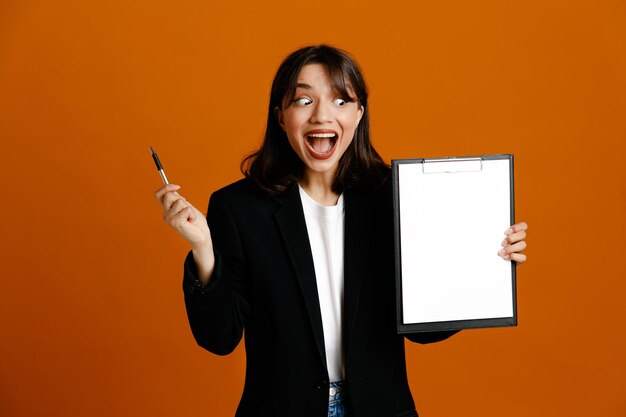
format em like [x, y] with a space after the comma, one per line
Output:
[325, 226]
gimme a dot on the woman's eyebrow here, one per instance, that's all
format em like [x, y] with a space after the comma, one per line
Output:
[304, 85]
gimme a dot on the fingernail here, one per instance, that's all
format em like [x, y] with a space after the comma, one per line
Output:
[508, 231]
[504, 242]
[501, 252]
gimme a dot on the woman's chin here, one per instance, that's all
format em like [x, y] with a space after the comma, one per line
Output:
[321, 166]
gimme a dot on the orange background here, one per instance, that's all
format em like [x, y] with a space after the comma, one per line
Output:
[93, 322]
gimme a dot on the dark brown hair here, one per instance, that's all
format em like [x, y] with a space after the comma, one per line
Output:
[276, 167]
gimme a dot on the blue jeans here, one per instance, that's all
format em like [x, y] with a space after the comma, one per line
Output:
[336, 400]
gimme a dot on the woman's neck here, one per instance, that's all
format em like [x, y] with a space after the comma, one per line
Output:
[318, 186]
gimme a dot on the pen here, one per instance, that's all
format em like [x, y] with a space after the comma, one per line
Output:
[158, 165]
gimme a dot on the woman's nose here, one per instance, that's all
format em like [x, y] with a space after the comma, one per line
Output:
[322, 113]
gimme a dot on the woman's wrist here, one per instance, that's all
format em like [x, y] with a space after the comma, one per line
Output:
[205, 261]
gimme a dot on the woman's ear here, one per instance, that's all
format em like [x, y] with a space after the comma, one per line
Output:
[279, 117]
[360, 113]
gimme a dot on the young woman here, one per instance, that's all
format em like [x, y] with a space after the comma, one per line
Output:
[300, 255]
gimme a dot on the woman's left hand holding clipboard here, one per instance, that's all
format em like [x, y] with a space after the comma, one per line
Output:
[514, 243]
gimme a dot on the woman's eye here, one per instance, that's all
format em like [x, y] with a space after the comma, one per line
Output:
[339, 102]
[302, 101]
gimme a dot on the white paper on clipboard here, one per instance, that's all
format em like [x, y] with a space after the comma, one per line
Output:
[452, 215]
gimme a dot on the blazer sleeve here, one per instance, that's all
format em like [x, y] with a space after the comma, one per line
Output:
[430, 337]
[217, 313]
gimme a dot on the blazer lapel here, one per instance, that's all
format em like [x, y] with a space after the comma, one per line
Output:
[357, 234]
[292, 225]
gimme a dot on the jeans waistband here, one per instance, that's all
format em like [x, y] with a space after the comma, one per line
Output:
[336, 391]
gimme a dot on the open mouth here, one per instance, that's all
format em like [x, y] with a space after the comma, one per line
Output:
[321, 145]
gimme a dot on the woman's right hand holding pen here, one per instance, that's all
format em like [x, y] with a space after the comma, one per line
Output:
[191, 224]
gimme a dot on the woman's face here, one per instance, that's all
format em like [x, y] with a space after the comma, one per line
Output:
[319, 123]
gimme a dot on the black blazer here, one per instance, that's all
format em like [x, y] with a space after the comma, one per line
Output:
[264, 282]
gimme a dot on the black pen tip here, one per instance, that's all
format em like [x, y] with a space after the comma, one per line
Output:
[151, 150]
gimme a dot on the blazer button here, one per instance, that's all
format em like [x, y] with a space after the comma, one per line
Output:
[322, 385]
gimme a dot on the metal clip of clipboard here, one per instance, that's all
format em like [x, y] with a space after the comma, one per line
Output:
[451, 165]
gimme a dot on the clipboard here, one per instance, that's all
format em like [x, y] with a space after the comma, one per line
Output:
[449, 218]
